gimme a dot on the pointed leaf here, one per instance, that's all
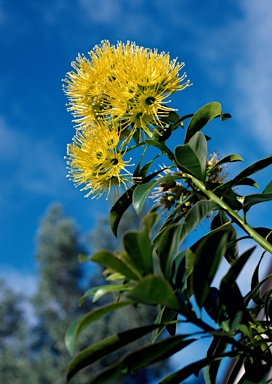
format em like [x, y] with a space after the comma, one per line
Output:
[253, 168]
[165, 316]
[154, 290]
[168, 248]
[226, 159]
[83, 321]
[120, 263]
[105, 347]
[202, 117]
[141, 192]
[142, 358]
[98, 292]
[184, 373]
[250, 200]
[208, 256]
[137, 245]
[119, 208]
[192, 157]
[268, 188]
[198, 212]
[237, 267]
[232, 250]
[150, 220]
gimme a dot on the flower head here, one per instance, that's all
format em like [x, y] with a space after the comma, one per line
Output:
[95, 162]
[124, 84]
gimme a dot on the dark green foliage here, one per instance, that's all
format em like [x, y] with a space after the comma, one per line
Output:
[163, 268]
[36, 352]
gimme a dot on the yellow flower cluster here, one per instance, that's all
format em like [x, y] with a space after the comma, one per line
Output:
[117, 92]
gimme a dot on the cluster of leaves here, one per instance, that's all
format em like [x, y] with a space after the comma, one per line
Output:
[155, 269]
[32, 328]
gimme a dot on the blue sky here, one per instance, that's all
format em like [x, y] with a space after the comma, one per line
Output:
[227, 49]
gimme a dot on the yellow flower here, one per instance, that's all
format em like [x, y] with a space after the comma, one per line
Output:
[124, 84]
[95, 162]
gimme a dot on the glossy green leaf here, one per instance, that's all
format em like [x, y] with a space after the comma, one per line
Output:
[141, 192]
[98, 292]
[233, 301]
[120, 263]
[196, 214]
[150, 220]
[226, 159]
[237, 267]
[154, 290]
[268, 188]
[142, 171]
[192, 157]
[184, 373]
[165, 316]
[202, 117]
[253, 168]
[178, 272]
[168, 248]
[253, 291]
[216, 348]
[119, 208]
[141, 358]
[169, 241]
[232, 249]
[105, 347]
[208, 256]
[211, 304]
[137, 245]
[250, 200]
[83, 321]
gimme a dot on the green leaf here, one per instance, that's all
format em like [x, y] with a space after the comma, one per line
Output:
[137, 245]
[155, 290]
[105, 347]
[208, 256]
[165, 316]
[184, 373]
[268, 188]
[178, 272]
[98, 292]
[232, 249]
[253, 168]
[168, 248]
[216, 348]
[192, 157]
[83, 321]
[141, 192]
[141, 358]
[120, 263]
[226, 159]
[197, 213]
[237, 267]
[119, 208]
[150, 220]
[169, 241]
[250, 200]
[202, 117]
